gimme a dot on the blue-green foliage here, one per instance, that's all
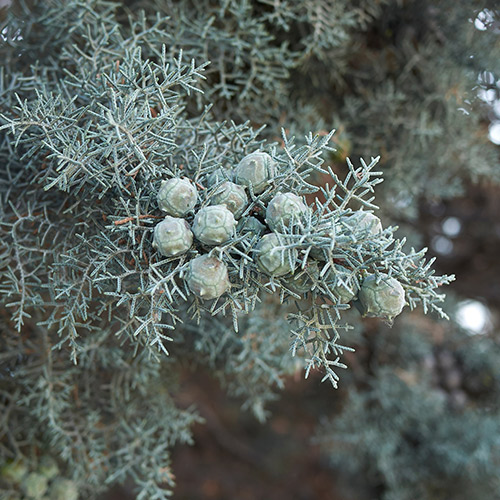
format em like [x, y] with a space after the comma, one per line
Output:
[116, 127]
[102, 101]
